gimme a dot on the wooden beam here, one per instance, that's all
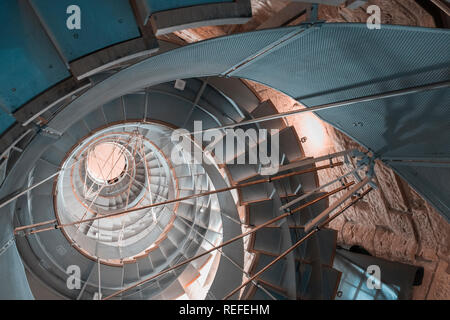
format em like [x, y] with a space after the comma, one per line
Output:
[289, 13]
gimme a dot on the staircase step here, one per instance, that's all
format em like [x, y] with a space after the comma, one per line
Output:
[274, 275]
[189, 275]
[95, 119]
[174, 291]
[130, 273]
[78, 130]
[289, 187]
[267, 108]
[114, 110]
[303, 276]
[168, 247]
[157, 259]
[201, 262]
[267, 241]
[256, 293]
[255, 193]
[290, 144]
[260, 212]
[144, 265]
[242, 172]
[331, 279]
[54, 156]
[134, 106]
[319, 247]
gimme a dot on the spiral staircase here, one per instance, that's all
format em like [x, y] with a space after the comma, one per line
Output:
[135, 246]
[124, 96]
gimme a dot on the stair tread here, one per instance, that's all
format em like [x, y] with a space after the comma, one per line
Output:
[267, 108]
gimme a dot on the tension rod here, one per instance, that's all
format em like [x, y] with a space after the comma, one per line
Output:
[243, 185]
[385, 95]
[306, 195]
[309, 235]
[223, 244]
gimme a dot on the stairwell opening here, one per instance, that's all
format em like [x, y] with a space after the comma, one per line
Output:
[106, 163]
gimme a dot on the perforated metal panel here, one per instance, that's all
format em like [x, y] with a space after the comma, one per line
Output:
[206, 58]
[432, 182]
[335, 62]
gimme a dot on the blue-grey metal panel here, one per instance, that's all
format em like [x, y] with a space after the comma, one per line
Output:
[330, 62]
[29, 63]
[206, 58]
[103, 23]
[433, 183]
[158, 5]
[335, 62]
[134, 106]
[412, 126]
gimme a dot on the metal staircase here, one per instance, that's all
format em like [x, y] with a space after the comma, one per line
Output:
[143, 236]
[69, 100]
[145, 242]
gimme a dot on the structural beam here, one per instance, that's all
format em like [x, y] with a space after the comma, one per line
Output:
[52, 97]
[168, 21]
[442, 5]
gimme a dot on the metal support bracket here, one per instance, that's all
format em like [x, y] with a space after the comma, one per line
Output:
[52, 133]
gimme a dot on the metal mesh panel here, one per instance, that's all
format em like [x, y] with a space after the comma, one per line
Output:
[208, 58]
[336, 61]
[431, 182]
[340, 61]
[412, 126]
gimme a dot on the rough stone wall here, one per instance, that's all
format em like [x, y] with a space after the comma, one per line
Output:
[399, 12]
